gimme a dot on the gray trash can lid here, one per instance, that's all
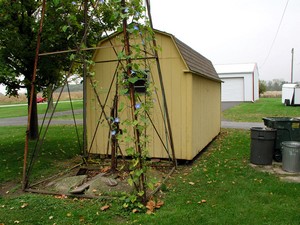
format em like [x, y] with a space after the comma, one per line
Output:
[291, 144]
[262, 129]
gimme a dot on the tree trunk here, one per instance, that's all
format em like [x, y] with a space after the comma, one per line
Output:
[34, 128]
[50, 98]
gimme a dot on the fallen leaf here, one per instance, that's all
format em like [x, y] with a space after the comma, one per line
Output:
[135, 210]
[50, 217]
[24, 205]
[157, 184]
[7, 192]
[159, 204]
[203, 201]
[60, 196]
[105, 169]
[149, 212]
[191, 183]
[103, 208]
[150, 205]
[16, 221]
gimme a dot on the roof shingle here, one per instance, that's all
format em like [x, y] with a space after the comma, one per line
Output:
[195, 61]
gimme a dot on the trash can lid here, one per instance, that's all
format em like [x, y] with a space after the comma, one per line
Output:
[262, 129]
[281, 119]
[291, 144]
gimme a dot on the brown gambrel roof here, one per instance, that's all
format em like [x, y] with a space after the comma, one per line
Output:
[195, 61]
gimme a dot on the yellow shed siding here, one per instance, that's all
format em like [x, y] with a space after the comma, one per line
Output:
[192, 101]
[206, 112]
[177, 93]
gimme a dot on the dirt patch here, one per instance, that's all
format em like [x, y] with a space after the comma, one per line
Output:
[95, 181]
[11, 189]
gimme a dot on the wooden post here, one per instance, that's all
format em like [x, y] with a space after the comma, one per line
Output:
[162, 89]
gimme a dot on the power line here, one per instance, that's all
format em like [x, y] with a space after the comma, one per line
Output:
[287, 2]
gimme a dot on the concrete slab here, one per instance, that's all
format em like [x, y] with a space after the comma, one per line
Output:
[66, 184]
[276, 169]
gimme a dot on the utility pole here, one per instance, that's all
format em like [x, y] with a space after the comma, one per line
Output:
[292, 66]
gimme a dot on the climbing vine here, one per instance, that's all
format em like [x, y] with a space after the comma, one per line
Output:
[136, 90]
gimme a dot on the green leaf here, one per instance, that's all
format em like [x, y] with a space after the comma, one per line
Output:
[56, 2]
[135, 123]
[133, 198]
[121, 107]
[68, 38]
[150, 185]
[64, 28]
[130, 151]
[140, 205]
[140, 193]
[124, 91]
[138, 173]
[121, 55]
[133, 79]
[130, 181]
[130, 30]
[72, 56]
[135, 163]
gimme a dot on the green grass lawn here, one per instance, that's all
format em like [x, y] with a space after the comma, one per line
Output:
[264, 107]
[56, 148]
[233, 191]
[21, 110]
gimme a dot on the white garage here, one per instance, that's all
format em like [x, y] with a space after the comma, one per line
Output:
[233, 89]
[240, 82]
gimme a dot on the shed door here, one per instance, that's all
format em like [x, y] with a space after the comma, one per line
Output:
[233, 89]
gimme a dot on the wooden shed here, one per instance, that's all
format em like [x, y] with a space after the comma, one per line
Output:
[193, 96]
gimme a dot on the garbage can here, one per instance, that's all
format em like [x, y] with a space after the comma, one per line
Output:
[288, 129]
[262, 145]
[291, 156]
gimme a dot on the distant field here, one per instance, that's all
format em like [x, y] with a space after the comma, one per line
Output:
[271, 94]
[23, 99]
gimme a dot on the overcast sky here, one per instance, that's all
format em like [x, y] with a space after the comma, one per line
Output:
[236, 31]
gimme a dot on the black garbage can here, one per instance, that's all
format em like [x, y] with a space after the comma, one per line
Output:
[288, 129]
[262, 145]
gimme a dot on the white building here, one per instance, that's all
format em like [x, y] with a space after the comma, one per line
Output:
[240, 82]
[290, 94]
